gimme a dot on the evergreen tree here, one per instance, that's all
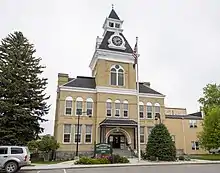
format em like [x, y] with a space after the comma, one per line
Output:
[160, 144]
[22, 91]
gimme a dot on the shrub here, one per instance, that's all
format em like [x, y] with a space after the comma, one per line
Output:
[118, 159]
[181, 158]
[152, 158]
[160, 144]
[89, 161]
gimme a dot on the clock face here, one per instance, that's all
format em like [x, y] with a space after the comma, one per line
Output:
[117, 41]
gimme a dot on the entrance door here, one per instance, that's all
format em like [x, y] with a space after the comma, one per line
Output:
[116, 141]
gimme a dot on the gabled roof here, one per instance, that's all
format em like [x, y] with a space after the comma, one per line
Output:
[89, 82]
[104, 43]
[113, 15]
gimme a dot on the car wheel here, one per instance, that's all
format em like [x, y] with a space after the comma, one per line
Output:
[11, 167]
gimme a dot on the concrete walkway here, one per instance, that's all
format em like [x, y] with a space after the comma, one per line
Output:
[133, 162]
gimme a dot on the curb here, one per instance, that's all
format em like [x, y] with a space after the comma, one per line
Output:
[118, 165]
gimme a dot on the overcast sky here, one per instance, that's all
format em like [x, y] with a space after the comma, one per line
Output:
[179, 41]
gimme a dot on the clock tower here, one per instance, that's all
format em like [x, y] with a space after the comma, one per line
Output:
[112, 62]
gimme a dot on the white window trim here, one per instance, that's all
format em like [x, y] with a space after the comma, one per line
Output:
[67, 133]
[125, 102]
[90, 100]
[119, 110]
[108, 101]
[120, 67]
[88, 133]
[142, 135]
[194, 142]
[80, 99]
[149, 104]
[68, 99]
[75, 133]
[157, 105]
[193, 123]
[141, 104]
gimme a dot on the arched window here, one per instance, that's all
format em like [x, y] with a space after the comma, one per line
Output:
[125, 108]
[109, 108]
[89, 106]
[117, 75]
[68, 106]
[149, 111]
[79, 106]
[141, 110]
[117, 108]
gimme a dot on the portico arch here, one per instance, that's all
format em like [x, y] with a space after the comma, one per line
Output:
[128, 137]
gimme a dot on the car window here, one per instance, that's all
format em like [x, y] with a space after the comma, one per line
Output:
[3, 151]
[16, 150]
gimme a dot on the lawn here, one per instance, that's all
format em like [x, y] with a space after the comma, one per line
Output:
[206, 157]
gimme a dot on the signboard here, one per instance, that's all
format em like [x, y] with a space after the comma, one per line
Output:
[103, 148]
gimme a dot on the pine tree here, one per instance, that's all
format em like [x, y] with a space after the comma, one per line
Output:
[160, 144]
[22, 91]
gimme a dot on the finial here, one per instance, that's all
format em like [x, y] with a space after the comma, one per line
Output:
[136, 39]
[112, 6]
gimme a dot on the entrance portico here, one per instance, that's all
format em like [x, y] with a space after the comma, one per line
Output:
[118, 132]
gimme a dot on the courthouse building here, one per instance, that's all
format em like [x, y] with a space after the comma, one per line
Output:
[108, 103]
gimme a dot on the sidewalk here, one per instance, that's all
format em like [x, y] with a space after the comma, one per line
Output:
[133, 162]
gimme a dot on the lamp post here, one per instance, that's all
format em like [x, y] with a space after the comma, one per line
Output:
[79, 113]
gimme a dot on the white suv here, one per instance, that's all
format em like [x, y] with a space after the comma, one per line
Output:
[12, 158]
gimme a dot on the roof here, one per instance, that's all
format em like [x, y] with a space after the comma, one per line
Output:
[89, 82]
[82, 82]
[145, 89]
[113, 15]
[118, 121]
[193, 116]
[104, 43]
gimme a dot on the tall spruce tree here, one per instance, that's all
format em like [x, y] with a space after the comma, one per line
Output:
[22, 91]
[160, 144]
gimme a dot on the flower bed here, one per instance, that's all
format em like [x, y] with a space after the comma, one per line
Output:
[102, 160]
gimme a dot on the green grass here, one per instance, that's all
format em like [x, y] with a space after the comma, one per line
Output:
[45, 162]
[206, 156]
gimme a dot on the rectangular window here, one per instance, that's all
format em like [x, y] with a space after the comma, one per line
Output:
[149, 129]
[16, 150]
[67, 133]
[69, 104]
[3, 151]
[149, 112]
[79, 107]
[109, 109]
[117, 109]
[142, 135]
[195, 145]
[111, 24]
[88, 135]
[141, 111]
[125, 107]
[173, 138]
[192, 123]
[117, 25]
[78, 135]
[89, 107]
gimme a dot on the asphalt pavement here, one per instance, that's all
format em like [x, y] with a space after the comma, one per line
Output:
[206, 168]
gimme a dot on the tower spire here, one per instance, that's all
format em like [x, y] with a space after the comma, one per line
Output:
[112, 6]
